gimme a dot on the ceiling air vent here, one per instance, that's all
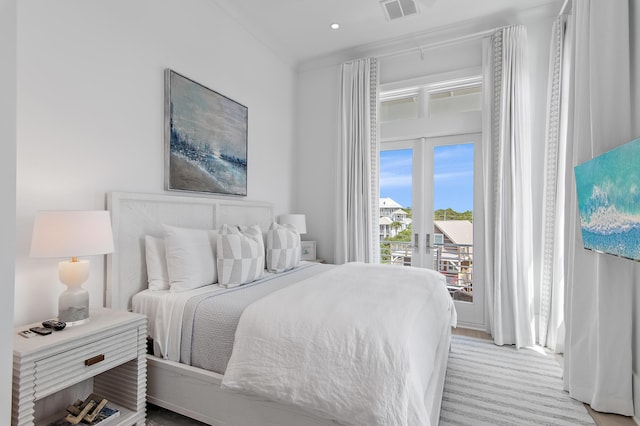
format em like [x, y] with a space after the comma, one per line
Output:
[394, 9]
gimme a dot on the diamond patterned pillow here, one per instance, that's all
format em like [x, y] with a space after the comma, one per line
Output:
[283, 248]
[240, 255]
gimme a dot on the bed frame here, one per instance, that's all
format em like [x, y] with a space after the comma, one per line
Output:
[187, 390]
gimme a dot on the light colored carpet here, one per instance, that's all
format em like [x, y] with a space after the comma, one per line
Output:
[499, 385]
[485, 385]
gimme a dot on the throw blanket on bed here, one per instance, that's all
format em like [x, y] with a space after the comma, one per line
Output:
[210, 320]
[356, 344]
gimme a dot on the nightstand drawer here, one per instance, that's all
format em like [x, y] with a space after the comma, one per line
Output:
[83, 362]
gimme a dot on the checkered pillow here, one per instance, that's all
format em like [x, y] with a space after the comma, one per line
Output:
[240, 255]
[283, 248]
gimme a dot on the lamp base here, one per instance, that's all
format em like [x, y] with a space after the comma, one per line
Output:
[75, 323]
[73, 306]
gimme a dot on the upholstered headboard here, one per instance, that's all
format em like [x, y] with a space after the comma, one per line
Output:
[135, 215]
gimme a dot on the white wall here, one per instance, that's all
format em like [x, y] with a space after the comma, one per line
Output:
[8, 34]
[90, 113]
[430, 62]
[316, 135]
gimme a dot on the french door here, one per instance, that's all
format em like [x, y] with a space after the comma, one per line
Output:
[445, 203]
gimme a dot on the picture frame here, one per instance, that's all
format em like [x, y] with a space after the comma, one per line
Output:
[608, 210]
[308, 250]
[206, 140]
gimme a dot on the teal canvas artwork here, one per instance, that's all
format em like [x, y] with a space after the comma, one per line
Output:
[608, 188]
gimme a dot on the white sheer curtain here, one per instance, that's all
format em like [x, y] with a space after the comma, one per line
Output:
[598, 314]
[357, 236]
[551, 326]
[507, 189]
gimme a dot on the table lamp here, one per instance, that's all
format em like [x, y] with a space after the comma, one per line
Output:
[71, 234]
[297, 220]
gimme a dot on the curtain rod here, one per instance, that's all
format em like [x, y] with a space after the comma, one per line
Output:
[442, 43]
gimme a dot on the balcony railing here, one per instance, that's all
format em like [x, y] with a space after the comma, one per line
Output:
[454, 261]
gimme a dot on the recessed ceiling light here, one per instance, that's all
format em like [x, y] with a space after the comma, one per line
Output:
[335, 26]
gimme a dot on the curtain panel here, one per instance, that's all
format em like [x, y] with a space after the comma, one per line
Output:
[551, 326]
[600, 288]
[507, 189]
[358, 238]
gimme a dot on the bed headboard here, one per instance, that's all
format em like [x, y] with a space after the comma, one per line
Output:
[135, 215]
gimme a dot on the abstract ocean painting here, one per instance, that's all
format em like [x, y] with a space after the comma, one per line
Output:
[608, 189]
[205, 139]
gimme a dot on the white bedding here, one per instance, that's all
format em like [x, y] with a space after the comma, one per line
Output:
[146, 303]
[356, 344]
[164, 310]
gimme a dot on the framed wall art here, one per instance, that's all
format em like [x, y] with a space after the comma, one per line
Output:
[609, 201]
[205, 139]
[308, 250]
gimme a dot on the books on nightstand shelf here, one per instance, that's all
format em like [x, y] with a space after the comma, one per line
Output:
[93, 411]
[103, 419]
[105, 415]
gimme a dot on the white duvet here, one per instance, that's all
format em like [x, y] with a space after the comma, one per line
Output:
[356, 344]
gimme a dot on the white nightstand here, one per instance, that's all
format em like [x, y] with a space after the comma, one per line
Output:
[106, 356]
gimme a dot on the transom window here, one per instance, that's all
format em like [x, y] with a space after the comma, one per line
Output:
[445, 97]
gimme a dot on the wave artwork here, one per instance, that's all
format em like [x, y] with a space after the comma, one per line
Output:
[608, 188]
[205, 138]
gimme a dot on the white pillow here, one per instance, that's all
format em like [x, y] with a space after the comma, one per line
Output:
[283, 248]
[240, 255]
[191, 257]
[157, 275]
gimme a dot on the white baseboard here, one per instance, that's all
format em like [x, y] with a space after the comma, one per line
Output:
[473, 326]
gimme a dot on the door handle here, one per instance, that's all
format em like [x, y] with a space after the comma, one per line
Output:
[416, 243]
[427, 244]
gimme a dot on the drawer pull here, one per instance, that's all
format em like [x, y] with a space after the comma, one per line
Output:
[96, 359]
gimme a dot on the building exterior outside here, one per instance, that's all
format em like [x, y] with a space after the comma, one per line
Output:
[452, 246]
[454, 252]
[393, 219]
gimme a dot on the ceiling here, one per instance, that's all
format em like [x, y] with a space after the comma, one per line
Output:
[300, 29]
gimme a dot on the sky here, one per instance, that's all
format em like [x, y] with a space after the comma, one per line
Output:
[453, 180]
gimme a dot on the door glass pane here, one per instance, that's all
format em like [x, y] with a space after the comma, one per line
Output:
[396, 169]
[453, 217]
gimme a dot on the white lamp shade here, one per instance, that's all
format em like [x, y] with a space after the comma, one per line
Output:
[298, 220]
[71, 233]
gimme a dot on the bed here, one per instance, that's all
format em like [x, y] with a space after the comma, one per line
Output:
[298, 365]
